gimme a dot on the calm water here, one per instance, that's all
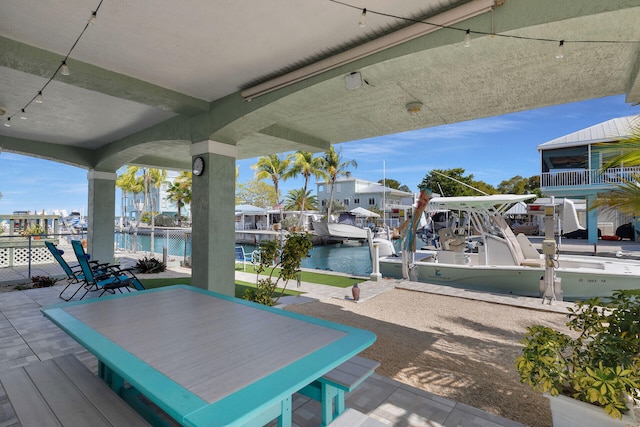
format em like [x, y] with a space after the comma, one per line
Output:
[344, 258]
[349, 259]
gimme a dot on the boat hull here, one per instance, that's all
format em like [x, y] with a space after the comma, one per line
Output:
[339, 231]
[576, 283]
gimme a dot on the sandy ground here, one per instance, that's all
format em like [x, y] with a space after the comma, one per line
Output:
[453, 347]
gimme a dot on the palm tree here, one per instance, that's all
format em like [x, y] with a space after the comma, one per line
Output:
[273, 167]
[335, 167]
[306, 165]
[179, 192]
[129, 182]
[294, 199]
[626, 198]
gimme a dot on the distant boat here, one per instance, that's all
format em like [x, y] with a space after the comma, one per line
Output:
[345, 228]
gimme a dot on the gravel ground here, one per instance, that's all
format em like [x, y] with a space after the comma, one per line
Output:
[457, 348]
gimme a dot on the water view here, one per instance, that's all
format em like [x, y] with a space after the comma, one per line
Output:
[347, 258]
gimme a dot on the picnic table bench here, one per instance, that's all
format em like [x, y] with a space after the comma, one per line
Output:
[330, 389]
[63, 392]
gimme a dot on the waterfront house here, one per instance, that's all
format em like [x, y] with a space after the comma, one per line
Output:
[353, 192]
[570, 167]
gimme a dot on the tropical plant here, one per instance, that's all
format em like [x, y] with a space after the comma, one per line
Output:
[179, 192]
[285, 261]
[335, 167]
[129, 182]
[296, 198]
[43, 281]
[33, 230]
[275, 168]
[601, 365]
[395, 184]
[150, 265]
[626, 197]
[256, 193]
[453, 182]
[306, 165]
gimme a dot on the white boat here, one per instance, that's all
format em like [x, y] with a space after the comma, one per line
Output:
[497, 260]
[345, 228]
[339, 230]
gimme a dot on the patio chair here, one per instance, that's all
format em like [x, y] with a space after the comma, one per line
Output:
[242, 257]
[110, 278]
[74, 273]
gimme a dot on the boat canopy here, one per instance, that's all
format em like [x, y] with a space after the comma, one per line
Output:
[495, 203]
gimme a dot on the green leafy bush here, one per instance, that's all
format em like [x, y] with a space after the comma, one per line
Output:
[286, 262]
[600, 366]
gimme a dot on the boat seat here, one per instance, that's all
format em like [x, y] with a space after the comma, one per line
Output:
[532, 257]
[451, 242]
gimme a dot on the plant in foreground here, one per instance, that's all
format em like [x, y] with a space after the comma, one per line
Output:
[600, 366]
[285, 261]
[150, 265]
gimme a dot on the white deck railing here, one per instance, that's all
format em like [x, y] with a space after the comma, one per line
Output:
[611, 176]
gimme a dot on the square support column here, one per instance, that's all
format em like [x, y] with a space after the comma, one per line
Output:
[102, 207]
[592, 220]
[213, 210]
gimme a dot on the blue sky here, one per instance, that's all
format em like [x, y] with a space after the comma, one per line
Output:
[492, 149]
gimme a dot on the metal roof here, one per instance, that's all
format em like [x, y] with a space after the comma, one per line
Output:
[609, 131]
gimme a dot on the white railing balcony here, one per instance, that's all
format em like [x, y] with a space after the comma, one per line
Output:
[582, 177]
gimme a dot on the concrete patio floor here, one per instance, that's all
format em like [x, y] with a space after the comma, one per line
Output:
[26, 336]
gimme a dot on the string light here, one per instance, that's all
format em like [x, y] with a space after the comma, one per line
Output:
[560, 53]
[483, 33]
[467, 39]
[63, 68]
[363, 18]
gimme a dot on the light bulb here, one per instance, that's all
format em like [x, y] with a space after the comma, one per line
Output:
[467, 39]
[38, 98]
[64, 69]
[23, 114]
[560, 53]
[363, 18]
[94, 14]
[8, 122]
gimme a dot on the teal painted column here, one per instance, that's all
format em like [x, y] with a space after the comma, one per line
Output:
[592, 220]
[102, 207]
[212, 210]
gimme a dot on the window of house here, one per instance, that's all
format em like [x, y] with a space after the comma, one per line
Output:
[356, 201]
[372, 201]
[324, 203]
[345, 202]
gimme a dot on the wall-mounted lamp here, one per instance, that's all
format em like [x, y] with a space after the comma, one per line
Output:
[353, 80]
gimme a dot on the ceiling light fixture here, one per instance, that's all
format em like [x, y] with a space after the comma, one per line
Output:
[353, 80]
[38, 98]
[23, 114]
[8, 122]
[94, 15]
[414, 108]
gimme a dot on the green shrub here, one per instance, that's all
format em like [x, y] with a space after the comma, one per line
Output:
[43, 281]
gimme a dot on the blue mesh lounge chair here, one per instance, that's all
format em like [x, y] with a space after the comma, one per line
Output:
[74, 273]
[110, 278]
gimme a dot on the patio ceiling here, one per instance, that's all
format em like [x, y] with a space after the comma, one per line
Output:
[148, 78]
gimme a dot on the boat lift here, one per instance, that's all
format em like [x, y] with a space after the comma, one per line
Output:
[550, 285]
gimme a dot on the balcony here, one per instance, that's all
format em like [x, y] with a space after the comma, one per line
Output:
[589, 177]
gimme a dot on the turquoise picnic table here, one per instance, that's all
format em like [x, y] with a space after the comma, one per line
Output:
[206, 359]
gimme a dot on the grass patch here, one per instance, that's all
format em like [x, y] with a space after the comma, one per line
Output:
[168, 281]
[313, 277]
